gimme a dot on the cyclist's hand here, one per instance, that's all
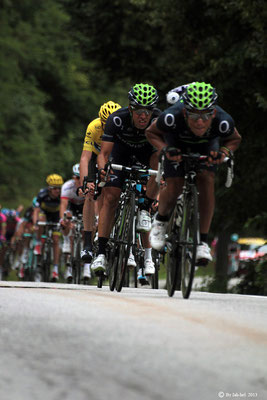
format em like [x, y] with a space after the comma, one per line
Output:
[80, 192]
[215, 157]
[173, 154]
[90, 188]
[63, 223]
[105, 172]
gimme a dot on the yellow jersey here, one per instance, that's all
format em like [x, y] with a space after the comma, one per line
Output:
[93, 136]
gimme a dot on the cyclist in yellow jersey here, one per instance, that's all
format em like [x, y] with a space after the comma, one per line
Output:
[91, 149]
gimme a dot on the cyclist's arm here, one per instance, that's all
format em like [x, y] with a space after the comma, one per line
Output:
[231, 143]
[84, 161]
[156, 137]
[35, 215]
[228, 146]
[63, 206]
[103, 156]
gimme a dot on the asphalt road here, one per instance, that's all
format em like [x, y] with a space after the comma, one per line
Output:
[76, 343]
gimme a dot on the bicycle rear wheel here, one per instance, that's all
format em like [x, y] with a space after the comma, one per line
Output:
[125, 239]
[189, 239]
[173, 265]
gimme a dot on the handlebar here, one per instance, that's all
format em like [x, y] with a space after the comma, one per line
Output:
[134, 168]
[50, 224]
[194, 157]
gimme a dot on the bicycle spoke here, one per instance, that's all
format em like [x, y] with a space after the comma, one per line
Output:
[189, 234]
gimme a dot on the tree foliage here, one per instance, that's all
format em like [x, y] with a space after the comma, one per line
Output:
[61, 59]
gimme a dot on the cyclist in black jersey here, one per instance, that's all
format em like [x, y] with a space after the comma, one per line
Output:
[124, 137]
[195, 124]
[46, 208]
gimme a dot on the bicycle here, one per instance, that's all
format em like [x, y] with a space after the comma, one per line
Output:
[44, 260]
[123, 235]
[183, 235]
[74, 259]
[29, 264]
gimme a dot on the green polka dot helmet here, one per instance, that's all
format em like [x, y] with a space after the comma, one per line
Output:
[199, 96]
[143, 95]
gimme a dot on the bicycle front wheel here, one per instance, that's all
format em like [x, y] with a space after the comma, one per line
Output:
[189, 241]
[125, 239]
[173, 265]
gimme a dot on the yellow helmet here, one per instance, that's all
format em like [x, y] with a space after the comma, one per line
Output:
[106, 109]
[54, 180]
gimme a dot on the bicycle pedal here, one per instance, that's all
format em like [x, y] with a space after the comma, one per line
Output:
[143, 281]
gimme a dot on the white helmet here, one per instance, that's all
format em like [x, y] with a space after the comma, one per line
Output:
[172, 97]
[176, 94]
[76, 170]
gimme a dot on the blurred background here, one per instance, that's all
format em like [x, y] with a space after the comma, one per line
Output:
[61, 59]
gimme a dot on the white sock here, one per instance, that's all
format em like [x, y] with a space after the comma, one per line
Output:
[148, 254]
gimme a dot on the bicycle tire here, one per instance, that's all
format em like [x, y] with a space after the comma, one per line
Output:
[113, 252]
[189, 238]
[155, 276]
[100, 278]
[173, 265]
[31, 265]
[125, 238]
[43, 262]
[78, 261]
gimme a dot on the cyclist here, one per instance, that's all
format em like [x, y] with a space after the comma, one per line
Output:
[124, 137]
[46, 208]
[12, 223]
[195, 124]
[91, 149]
[23, 235]
[71, 204]
[2, 239]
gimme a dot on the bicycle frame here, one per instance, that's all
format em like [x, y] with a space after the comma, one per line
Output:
[125, 233]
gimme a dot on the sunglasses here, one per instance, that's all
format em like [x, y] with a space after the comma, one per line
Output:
[139, 111]
[196, 116]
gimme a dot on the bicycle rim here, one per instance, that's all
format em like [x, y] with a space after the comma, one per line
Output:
[113, 254]
[125, 237]
[189, 234]
[173, 256]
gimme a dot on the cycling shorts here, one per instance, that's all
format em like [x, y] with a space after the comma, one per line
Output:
[76, 209]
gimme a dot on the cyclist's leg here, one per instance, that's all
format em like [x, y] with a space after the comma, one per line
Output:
[39, 232]
[111, 194]
[149, 267]
[206, 201]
